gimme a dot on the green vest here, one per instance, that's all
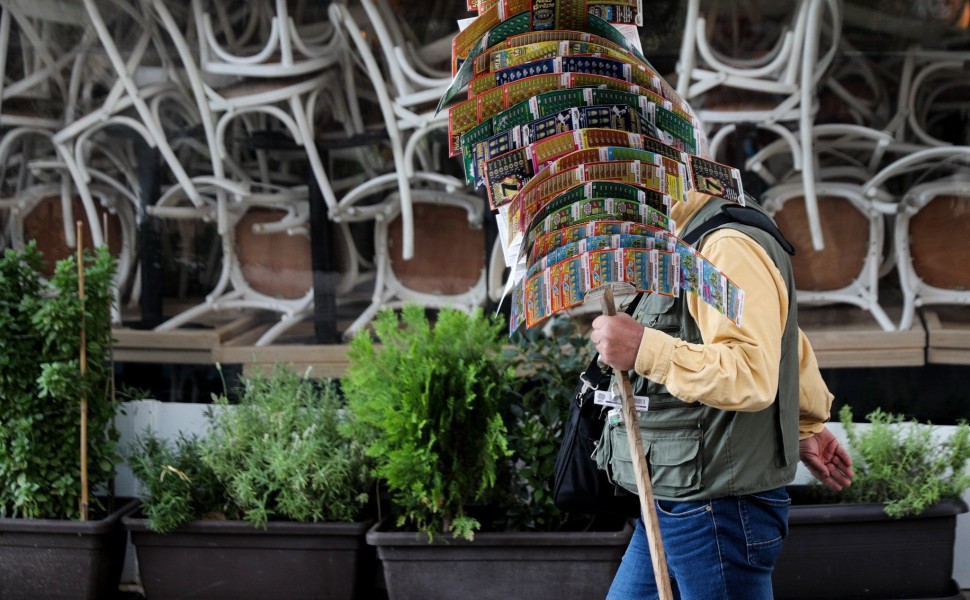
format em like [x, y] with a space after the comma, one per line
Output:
[697, 452]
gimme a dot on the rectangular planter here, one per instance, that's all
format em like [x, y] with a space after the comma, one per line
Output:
[854, 551]
[58, 559]
[555, 565]
[233, 560]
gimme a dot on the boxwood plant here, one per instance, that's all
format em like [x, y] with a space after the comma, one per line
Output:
[428, 398]
[41, 387]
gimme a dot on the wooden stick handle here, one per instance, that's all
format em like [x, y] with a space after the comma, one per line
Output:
[84, 367]
[642, 472]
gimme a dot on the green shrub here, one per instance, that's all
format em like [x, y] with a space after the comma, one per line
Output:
[279, 454]
[428, 401]
[178, 486]
[41, 387]
[904, 464]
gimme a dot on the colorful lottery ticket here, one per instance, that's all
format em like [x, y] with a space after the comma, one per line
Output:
[716, 179]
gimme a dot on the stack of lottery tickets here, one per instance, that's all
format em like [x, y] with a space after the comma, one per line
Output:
[582, 148]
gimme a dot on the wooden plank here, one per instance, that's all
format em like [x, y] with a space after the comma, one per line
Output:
[186, 356]
[328, 360]
[948, 327]
[847, 327]
[184, 346]
[842, 337]
[846, 336]
[871, 357]
[948, 335]
[948, 356]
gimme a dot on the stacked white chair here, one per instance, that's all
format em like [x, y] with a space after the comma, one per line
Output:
[414, 202]
[932, 220]
[41, 95]
[785, 78]
[257, 99]
[406, 93]
[846, 157]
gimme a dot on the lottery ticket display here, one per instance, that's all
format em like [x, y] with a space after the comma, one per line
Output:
[582, 149]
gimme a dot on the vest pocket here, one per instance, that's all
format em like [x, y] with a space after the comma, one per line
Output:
[673, 455]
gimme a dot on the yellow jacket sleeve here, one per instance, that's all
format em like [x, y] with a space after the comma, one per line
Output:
[737, 366]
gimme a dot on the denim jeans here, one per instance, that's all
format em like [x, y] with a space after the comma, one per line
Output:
[721, 549]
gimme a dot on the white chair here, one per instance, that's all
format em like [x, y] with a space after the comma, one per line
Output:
[448, 267]
[931, 240]
[37, 47]
[41, 203]
[784, 78]
[264, 39]
[260, 139]
[406, 100]
[848, 269]
[265, 251]
[933, 89]
[137, 82]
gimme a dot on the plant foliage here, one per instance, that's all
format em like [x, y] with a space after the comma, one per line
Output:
[548, 363]
[428, 401]
[905, 465]
[280, 454]
[41, 387]
[178, 486]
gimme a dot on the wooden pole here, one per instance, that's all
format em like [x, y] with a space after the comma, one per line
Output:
[84, 368]
[640, 470]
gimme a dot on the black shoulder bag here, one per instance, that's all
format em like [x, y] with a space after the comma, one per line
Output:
[579, 486]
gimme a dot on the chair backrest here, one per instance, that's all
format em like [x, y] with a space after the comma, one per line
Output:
[937, 99]
[410, 86]
[805, 46]
[847, 272]
[36, 51]
[264, 39]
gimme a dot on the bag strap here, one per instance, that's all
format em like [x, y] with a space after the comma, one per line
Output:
[593, 374]
[735, 213]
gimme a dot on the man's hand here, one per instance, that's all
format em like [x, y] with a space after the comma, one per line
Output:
[617, 339]
[827, 460]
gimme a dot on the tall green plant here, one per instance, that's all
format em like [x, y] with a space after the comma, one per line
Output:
[41, 385]
[904, 464]
[428, 398]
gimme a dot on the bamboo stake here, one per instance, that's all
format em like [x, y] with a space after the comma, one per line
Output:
[84, 368]
[641, 470]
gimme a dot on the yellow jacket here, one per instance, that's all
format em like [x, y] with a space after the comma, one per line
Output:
[737, 366]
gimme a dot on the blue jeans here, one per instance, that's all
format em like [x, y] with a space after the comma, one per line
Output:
[721, 549]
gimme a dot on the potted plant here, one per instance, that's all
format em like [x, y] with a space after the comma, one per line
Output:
[60, 530]
[435, 402]
[892, 532]
[270, 503]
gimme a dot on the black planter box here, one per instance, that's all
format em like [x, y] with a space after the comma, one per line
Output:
[556, 565]
[233, 560]
[855, 551]
[54, 559]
